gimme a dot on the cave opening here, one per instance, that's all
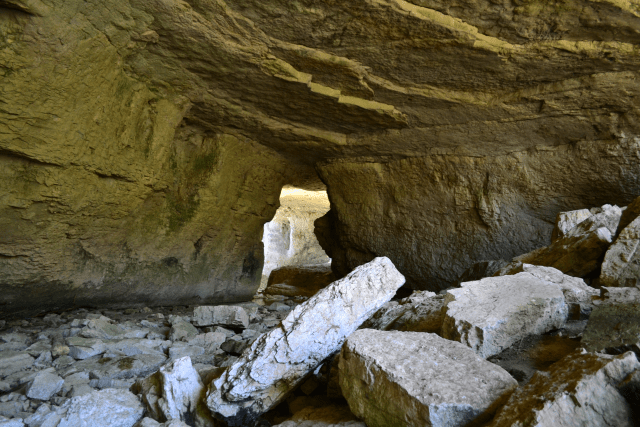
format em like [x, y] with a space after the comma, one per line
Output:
[290, 244]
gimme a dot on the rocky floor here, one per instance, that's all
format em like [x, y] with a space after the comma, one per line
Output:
[47, 360]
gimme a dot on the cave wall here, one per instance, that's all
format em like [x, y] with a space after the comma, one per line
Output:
[435, 216]
[143, 143]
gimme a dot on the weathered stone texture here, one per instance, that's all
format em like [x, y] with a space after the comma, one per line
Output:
[279, 360]
[144, 143]
[491, 314]
[418, 379]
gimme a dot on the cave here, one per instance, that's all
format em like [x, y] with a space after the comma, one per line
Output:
[183, 180]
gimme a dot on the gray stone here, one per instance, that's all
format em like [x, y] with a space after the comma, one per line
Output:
[102, 328]
[104, 408]
[621, 262]
[613, 327]
[323, 416]
[44, 360]
[14, 361]
[181, 350]
[629, 214]
[234, 346]
[122, 367]
[175, 392]
[45, 385]
[210, 341]
[74, 380]
[182, 331]
[279, 360]
[103, 383]
[565, 221]
[416, 379]
[83, 348]
[491, 314]
[11, 423]
[579, 390]
[221, 315]
[38, 417]
[133, 346]
[577, 294]
[423, 311]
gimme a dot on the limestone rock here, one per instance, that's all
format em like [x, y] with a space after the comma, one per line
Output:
[620, 266]
[182, 331]
[14, 361]
[578, 390]
[221, 315]
[416, 379]
[104, 408]
[577, 294]
[299, 280]
[118, 367]
[83, 348]
[323, 416]
[491, 314]
[613, 327]
[175, 392]
[423, 311]
[45, 385]
[629, 214]
[565, 221]
[279, 360]
[133, 346]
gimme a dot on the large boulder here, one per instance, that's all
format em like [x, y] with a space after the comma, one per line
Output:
[418, 379]
[621, 262]
[579, 390]
[492, 314]
[577, 294]
[613, 327]
[279, 360]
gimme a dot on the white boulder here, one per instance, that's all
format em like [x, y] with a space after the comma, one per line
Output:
[279, 360]
[45, 385]
[418, 379]
[493, 313]
[104, 408]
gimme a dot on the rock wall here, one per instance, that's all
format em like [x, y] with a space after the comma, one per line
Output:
[434, 216]
[289, 238]
[143, 143]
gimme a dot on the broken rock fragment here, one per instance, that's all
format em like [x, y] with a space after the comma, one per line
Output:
[221, 315]
[418, 379]
[104, 408]
[579, 390]
[423, 311]
[621, 265]
[45, 385]
[175, 392]
[279, 360]
[493, 313]
[565, 221]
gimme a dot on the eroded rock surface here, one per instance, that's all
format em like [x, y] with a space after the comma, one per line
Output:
[491, 314]
[423, 311]
[279, 360]
[578, 390]
[417, 379]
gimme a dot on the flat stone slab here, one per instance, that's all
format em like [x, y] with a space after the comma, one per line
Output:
[392, 378]
[221, 315]
[579, 390]
[493, 313]
[14, 361]
[280, 360]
